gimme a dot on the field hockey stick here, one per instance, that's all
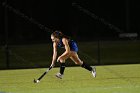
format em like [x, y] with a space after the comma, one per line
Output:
[38, 80]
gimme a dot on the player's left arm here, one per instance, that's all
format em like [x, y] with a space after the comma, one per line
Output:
[67, 49]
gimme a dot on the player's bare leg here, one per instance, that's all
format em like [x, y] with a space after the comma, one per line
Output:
[77, 60]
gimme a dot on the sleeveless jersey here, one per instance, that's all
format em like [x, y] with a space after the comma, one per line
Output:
[72, 44]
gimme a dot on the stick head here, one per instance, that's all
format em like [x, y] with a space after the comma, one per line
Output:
[36, 81]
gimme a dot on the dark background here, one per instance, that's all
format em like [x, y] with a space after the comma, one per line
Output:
[24, 41]
[56, 14]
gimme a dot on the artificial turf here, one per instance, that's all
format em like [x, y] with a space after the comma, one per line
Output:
[110, 79]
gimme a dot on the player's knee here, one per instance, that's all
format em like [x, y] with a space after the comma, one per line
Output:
[79, 62]
[62, 60]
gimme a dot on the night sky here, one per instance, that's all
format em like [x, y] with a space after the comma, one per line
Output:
[56, 14]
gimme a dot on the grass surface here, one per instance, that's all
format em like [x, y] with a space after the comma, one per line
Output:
[110, 79]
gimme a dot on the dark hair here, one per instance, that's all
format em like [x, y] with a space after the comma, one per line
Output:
[59, 34]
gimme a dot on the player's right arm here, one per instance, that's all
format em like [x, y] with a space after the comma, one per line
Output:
[54, 57]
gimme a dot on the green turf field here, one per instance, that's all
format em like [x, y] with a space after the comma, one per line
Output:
[110, 79]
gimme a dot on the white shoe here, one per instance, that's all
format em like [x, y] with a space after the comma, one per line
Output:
[93, 71]
[59, 75]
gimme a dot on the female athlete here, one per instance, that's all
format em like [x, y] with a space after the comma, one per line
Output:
[62, 41]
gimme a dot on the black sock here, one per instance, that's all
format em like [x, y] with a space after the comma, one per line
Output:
[86, 66]
[62, 68]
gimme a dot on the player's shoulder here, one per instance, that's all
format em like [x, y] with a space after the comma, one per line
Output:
[64, 39]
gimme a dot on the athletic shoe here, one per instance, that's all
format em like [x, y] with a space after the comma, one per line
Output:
[93, 71]
[59, 75]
